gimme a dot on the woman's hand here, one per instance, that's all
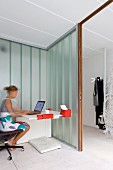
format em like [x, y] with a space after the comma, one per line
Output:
[24, 112]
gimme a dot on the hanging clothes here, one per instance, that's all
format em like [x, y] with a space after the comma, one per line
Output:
[98, 99]
[95, 94]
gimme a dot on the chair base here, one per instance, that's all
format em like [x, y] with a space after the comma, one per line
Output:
[7, 147]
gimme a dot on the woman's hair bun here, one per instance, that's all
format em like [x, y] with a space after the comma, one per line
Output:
[6, 88]
[11, 88]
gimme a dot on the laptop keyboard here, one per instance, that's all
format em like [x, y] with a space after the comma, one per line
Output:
[33, 113]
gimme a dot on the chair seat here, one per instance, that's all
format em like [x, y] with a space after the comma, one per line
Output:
[10, 132]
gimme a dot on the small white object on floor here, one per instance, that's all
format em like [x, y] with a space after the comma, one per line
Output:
[104, 132]
[44, 144]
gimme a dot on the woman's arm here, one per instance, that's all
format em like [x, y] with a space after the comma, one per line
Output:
[13, 113]
[22, 111]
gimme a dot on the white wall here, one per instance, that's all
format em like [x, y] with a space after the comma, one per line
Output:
[93, 66]
[109, 62]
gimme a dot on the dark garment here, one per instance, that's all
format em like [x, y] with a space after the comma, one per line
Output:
[99, 112]
[95, 94]
[98, 98]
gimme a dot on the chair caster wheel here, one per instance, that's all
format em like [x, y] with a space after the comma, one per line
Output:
[9, 158]
[22, 149]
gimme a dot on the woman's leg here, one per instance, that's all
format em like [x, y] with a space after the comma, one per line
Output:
[10, 141]
[19, 135]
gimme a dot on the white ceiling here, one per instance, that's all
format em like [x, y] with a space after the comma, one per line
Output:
[98, 32]
[41, 22]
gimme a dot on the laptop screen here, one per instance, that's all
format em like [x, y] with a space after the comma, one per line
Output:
[39, 106]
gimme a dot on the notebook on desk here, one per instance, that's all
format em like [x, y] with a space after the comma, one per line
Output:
[38, 108]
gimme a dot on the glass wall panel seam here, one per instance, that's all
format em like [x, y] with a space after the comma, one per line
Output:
[57, 69]
[21, 76]
[10, 64]
[39, 74]
[70, 83]
[47, 79]
[30, 78]
[63, 87]
[51, 88]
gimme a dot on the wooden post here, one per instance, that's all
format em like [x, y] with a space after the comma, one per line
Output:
[80, 124]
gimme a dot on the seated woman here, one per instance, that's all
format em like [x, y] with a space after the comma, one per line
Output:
[8, 114]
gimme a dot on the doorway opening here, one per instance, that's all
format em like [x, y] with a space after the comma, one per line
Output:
[93, 64]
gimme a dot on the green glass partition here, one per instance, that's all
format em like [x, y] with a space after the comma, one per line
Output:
[45, 75]
[25, 67]
[62, 87]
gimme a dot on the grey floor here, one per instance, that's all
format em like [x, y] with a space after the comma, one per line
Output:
[97, 155]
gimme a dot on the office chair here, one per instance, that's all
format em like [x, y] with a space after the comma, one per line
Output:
[4, 137]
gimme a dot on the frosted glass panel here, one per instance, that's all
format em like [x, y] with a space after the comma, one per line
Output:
[48, 79]
[74, 89]
[43, 75]
[61, 87]
[24, 67]
[35, 76]
[4, 63]
[62, 73]
[25, 77]
[15, 64]
[4, 66]
[15, 67]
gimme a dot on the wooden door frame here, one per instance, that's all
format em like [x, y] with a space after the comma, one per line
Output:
[80, 115]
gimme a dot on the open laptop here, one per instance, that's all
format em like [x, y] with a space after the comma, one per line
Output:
[38, 108]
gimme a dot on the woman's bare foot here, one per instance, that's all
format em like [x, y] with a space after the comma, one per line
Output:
[11, 144]
[10, 141]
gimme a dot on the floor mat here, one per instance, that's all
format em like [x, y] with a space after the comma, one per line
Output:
[44, 144]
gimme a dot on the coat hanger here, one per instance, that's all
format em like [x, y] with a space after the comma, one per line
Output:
[92, 80]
